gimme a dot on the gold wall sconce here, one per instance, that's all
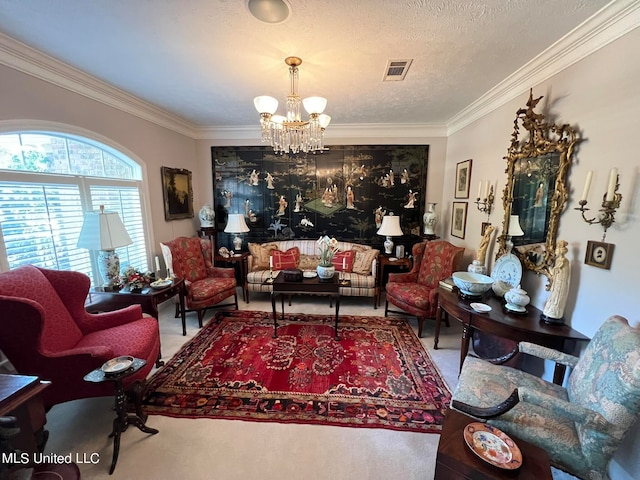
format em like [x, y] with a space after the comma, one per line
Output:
[485, 204]
[610, 202]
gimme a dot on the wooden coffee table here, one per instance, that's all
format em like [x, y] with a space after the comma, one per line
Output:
[455, 460]
[308, 286]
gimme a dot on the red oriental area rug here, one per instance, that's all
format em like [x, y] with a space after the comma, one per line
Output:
[377, 375]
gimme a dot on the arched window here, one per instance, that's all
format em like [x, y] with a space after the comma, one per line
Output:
[47, 182]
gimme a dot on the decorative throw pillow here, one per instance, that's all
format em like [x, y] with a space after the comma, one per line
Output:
[308, 262]
[285, 260]
[363, 261]
[260, 254]
[344, 259]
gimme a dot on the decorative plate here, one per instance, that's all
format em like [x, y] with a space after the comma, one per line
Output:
[508, 269]
[117, 365]
[158, 284]
[480, 307]
[309, 274]
[493, 446]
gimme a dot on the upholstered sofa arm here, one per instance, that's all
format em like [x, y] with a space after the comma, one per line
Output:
[578, 414]
[548, 354]
[404, 277]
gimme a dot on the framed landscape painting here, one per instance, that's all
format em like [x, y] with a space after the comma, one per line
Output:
[177, 193]
[459, 219]
[463, 179]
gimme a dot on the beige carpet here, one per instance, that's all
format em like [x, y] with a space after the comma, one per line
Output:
[232, 449]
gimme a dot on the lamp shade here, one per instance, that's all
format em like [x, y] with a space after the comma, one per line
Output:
[103, 231]
[236, 224]
[515, 230]
[390, 226]
[324, 120]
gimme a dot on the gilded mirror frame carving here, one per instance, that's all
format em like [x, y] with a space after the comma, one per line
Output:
[545, 140]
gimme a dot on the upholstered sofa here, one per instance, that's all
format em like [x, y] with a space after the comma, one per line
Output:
[361, 262]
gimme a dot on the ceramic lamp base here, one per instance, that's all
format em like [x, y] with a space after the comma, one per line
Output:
[108, 266]
[388, 246]
[237, 243]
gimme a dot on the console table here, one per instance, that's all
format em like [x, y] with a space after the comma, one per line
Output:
[517, 327]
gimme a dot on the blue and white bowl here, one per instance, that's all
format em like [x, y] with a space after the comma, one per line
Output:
[472, 284]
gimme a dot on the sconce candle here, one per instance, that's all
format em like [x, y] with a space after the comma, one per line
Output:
[587, 185]
[613, 181]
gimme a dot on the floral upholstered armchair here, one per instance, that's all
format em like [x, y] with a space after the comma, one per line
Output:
[206, 286]
[579, 426]
[416, 292]
[46, 331]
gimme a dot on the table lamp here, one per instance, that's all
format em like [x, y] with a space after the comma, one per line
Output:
[104, 231]
[390, 228]
[237, 225]
[514, 230]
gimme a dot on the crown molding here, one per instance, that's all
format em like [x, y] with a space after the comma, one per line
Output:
[28, 60]
[336, 131]
[608, 24]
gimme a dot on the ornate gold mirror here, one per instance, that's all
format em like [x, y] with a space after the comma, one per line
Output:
[536, 189]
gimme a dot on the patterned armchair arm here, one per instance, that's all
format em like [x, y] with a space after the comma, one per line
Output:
[224, 272]
[548, 354]
[576, 413]
[404, 277]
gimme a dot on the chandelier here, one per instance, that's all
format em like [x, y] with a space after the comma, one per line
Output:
[291, 134]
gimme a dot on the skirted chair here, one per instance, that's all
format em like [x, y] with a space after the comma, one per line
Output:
[206, 286]
[579, 426]
[45, 331]
[416, 292]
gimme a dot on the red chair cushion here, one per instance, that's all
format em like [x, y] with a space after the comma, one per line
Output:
[285, 260]
[344, 258]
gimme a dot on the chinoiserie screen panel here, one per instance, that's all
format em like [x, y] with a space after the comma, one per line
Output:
[339, 192]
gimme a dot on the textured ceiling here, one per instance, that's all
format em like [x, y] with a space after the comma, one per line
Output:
[205, 60]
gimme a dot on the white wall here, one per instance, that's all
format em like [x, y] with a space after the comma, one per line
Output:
[600, 96]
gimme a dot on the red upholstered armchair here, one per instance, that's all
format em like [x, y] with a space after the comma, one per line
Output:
[416, 292]
[206, 285]
[46, 331]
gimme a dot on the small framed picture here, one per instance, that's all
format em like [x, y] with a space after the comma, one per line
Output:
[459, 219]
[484, 227]
[599, 254]
[463, 179]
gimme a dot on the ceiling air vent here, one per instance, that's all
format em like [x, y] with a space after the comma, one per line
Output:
[396, 70]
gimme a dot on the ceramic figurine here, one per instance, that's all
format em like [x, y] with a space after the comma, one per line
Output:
[560, 274]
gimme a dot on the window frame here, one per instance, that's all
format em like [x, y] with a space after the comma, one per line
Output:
[84, 182]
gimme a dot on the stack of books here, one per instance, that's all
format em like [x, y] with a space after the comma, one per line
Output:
[447, 283]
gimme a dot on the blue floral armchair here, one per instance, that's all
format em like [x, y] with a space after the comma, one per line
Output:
[579, 426]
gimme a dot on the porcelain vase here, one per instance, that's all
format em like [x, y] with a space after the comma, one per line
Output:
[206, 216]
[430, 219]
[325, 273]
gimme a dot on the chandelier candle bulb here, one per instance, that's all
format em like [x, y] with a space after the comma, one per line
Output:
[479, 188]
[613, 180]
[587, 185]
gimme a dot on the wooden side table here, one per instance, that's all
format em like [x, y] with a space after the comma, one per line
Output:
[20, 398]
[123, 419]
[241, 263]
[385, 261]
[149, 299]
[456, 461]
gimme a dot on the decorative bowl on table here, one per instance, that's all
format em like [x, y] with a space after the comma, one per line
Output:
[472, 284]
